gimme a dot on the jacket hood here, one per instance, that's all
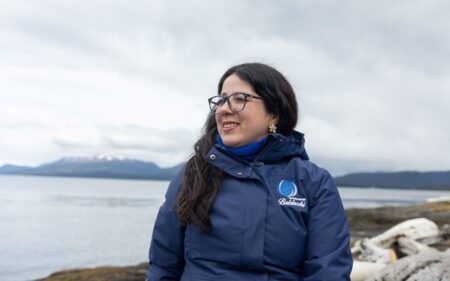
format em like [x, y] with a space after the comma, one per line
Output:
[280, 147]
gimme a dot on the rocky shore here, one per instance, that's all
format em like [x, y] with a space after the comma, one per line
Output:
[106, 273]
[371, 222]
[363, 223]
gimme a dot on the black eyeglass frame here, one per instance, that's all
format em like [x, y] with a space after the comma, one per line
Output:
[227, 99]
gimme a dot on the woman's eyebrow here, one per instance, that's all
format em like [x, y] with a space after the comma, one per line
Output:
[237, 92]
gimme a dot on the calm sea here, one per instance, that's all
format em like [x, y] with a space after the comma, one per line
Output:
[49, 224]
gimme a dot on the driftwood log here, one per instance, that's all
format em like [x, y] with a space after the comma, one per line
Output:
[429, 266]
[409, 238]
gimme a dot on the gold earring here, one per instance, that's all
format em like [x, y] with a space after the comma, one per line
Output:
[272, 128]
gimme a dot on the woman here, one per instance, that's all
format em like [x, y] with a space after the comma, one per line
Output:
[249, 205]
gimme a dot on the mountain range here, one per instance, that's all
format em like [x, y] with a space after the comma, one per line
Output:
[114, 167]
[95, 167]
[438, 180]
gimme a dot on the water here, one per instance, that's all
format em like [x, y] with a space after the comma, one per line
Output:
[375, 197]
[50, 224]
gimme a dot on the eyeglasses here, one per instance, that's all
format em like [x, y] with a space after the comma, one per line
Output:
[236, 102]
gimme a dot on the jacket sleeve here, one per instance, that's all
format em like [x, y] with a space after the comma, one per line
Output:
[166, 253]
[328, 255]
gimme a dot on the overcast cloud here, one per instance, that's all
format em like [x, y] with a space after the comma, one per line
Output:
[131, 78]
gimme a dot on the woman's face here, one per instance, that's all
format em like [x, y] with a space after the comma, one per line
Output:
[247, 126]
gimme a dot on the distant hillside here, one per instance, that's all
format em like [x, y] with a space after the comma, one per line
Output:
[110, 167]
[95, 167]
[407, 180]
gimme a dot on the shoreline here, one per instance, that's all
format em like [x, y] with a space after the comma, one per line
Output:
[363, 223]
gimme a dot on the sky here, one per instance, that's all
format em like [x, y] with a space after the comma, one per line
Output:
[131, 78]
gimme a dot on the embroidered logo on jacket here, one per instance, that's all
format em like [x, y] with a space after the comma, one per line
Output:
[288, 189]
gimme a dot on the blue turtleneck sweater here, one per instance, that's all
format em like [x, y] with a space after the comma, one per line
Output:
[248, 152]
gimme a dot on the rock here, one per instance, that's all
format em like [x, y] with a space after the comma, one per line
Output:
[429, 266]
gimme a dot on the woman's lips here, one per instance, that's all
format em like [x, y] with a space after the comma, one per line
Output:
[229, 126]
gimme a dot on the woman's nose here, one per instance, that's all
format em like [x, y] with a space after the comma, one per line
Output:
[224, 108]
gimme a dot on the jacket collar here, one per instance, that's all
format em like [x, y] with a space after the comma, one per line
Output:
[277, 148]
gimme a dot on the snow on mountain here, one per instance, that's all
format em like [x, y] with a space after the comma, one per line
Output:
[95, 158]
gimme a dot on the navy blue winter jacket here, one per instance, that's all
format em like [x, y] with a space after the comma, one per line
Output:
[279, 218]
